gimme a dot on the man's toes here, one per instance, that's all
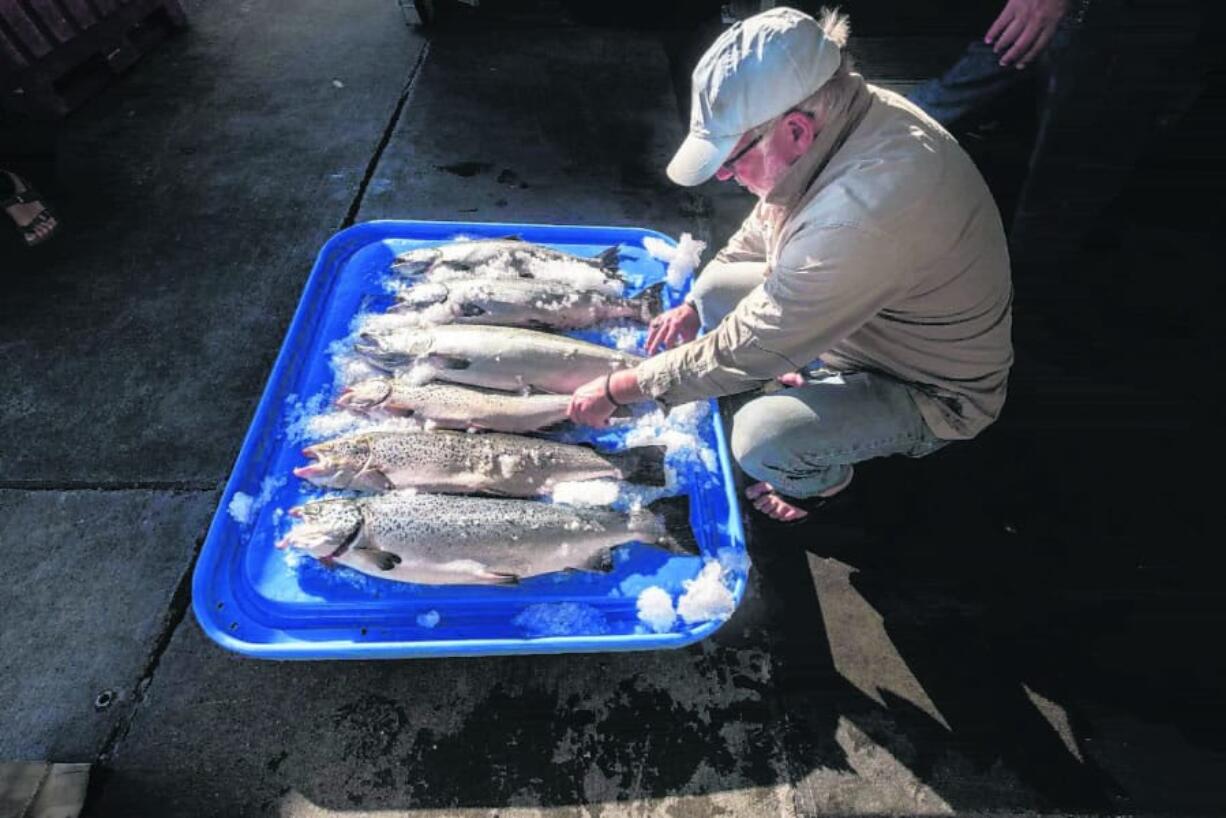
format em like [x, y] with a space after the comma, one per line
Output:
[758, 490]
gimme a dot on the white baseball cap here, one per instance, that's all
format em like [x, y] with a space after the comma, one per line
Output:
[755, 71]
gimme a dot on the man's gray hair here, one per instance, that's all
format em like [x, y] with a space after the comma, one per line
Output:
[837, 28]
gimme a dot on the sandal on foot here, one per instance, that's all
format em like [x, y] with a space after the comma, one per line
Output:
[24, 193]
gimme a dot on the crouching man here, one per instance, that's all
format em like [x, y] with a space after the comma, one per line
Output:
[871, 278]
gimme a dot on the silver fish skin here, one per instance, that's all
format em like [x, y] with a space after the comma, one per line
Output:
[510, 258]
[506, 358]
[521, 303]
[448, 540]
[451, 406]
[445, 461]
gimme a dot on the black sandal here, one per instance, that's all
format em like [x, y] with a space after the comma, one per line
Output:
[24, 193]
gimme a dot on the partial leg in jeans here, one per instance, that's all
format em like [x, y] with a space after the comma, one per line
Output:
[805, 440]
[722, 286]
[972, 82]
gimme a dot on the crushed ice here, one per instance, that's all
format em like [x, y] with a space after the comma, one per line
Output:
[428, 619]
[682, 260]
[561, 619]
[655, 608]
[706, 597]
[244, 508]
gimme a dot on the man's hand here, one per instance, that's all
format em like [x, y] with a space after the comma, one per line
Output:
[669, 329]
[590, 404]
[1024, 28]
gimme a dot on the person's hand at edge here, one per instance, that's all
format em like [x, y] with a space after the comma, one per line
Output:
[593, 403]
[669, 329]
[1023, 29]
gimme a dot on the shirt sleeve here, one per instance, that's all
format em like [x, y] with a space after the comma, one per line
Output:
[748, 243]
[829, 281]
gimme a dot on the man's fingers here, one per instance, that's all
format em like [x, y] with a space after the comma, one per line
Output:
[1005, 41]
[1040, 43]
[653, 338]
[1021, 45]
[998, 25]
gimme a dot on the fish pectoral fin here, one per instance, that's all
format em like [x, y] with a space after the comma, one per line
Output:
[599, 563]
[470, 310]
[375, 479]
[493, 491]
[498, 578]
[450, 362]
[383, 560]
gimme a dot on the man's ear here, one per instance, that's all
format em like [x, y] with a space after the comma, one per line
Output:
[801, 129]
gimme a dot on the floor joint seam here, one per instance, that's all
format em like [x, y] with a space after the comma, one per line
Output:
[176, 612]
[386, 138]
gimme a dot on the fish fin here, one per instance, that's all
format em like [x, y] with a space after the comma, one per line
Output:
[378, 480]
[539, 326]
[599, 563]
[383, 560]
[650, 302]
[678, 535]
[644, 465]
[493, 491]
[512, 237]
[450, 362]
[498, 578]
[468, 310]
[609, 259]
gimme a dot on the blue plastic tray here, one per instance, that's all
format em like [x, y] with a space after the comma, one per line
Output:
[250, 598]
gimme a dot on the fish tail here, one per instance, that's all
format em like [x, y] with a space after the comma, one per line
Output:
[609, 259]
[644, 465]
[674, 518]
[650, 302]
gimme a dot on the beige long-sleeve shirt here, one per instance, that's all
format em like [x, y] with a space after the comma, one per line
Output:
[882, 250]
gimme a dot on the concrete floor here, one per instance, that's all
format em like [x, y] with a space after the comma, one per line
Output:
[1010, 626]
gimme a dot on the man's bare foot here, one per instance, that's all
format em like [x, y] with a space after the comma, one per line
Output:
[771, 503]
[33, 219]
[791, 379]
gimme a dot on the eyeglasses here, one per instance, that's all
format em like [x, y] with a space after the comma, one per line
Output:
[729, 165]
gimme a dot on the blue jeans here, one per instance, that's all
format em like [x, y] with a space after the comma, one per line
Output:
[977, 78]
[804, 440]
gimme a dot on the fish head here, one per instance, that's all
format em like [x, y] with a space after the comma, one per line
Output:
[336, 463]
[365, 396]
[421, 295]
[417, 262]
[393, 351]
[326, 528]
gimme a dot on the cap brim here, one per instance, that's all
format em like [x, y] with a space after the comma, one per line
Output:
[699, 157]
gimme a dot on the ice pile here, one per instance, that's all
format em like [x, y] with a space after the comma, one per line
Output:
[682, 260]
[243, 508]
[705, 598]
[561, 619]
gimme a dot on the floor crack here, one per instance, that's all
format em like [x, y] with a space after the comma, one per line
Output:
[377, 156]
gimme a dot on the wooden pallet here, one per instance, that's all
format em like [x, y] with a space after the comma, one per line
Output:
[56, 54]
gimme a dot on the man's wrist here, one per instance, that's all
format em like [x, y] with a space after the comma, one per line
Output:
[622, 387]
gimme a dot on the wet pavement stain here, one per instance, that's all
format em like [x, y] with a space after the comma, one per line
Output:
[466, 169]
